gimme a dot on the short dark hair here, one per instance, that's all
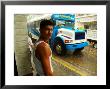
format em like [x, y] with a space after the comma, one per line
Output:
[45, 22]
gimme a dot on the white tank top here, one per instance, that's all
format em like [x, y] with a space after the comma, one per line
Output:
[38, 64]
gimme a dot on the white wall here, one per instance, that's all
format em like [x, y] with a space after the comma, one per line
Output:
[21, 46]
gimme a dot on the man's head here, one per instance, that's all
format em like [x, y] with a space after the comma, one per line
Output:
[46, 28]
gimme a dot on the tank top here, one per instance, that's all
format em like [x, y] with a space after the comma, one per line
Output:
[38, 64]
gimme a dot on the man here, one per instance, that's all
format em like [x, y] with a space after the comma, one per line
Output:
[42, 49]
[31, 47]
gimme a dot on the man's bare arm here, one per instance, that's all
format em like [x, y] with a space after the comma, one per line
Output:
[44, 57]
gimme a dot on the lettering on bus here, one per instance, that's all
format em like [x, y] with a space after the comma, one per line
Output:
[65, 16]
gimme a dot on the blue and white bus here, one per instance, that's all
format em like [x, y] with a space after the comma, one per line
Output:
[65, 36]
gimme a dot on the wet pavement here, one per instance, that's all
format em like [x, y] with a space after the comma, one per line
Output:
[82, 63]
[61, 70]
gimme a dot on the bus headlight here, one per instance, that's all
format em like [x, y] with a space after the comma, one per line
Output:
[68, 41]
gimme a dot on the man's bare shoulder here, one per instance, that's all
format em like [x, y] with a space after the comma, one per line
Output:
[42, 46]
[43, 49]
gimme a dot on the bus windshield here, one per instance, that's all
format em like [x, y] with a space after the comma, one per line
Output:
[63, 23]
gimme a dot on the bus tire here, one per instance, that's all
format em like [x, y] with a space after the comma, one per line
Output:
[59, 47]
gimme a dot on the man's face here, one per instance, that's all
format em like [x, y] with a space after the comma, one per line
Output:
[47, 32]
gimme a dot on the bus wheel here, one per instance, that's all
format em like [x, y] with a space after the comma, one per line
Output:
[59, 47]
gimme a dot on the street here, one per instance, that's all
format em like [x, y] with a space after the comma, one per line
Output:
[76, 64]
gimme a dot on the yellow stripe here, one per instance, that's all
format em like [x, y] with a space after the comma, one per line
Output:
[71, 67]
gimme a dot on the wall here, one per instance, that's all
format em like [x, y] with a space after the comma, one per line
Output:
[22, 56]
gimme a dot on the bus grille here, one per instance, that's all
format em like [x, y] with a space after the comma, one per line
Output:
[79, 35]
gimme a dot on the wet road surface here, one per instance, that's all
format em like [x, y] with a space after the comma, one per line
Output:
[82, 63]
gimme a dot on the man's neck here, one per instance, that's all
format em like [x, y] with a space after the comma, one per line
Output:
[45, 40]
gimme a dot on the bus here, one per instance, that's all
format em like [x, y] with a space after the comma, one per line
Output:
[66, 37]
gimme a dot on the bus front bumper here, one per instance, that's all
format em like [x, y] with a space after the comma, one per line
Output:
[73, 47]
